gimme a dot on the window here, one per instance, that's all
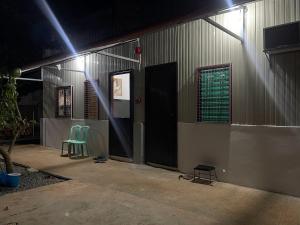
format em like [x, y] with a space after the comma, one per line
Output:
[64, 101]
[91, 102]
[120, 103]
[214, 94]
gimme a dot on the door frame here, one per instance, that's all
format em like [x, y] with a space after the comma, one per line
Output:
[176, 115]
[131, 78]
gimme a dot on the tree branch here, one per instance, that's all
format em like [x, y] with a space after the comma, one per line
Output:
[8, 163]
[16, 135]
[12, 144]
[18, 111]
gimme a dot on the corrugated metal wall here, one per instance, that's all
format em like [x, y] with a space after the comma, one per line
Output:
[261, 94]
[96, 66]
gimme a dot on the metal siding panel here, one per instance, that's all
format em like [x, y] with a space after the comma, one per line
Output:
[269, 12]
[271, 92]
[289, 11]
[259, 64]
[297, 10]
[279, 91]
[292, 90]
[279, 11]
[297, 88]
[248, 65]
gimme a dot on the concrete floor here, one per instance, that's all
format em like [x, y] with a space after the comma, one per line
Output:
[123, 193]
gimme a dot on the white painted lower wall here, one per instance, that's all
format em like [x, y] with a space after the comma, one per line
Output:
[255, 156]
[54, 131]
[261, 157]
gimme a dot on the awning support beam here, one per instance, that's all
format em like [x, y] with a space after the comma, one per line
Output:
[60, 68]
[24, 78]
[139, 60]
[118, 57]
[219, 26]
[224, 29]
[82, 53]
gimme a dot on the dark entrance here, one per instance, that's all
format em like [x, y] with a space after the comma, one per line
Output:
[121, 114]
[161, 115]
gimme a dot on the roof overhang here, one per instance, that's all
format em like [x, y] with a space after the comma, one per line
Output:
[198, 14]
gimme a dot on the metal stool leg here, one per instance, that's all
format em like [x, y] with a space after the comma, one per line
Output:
[87, 151]
[69, 149]
[82, 153]
[62, 149]
[194, 176]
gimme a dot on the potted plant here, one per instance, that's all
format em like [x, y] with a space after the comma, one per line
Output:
[11, 121]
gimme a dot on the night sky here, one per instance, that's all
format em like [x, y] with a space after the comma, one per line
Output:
[26, 32]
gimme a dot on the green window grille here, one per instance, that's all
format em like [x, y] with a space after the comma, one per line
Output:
[214, 95]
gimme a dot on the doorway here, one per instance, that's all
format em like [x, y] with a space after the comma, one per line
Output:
[121, 115]
[161, 115]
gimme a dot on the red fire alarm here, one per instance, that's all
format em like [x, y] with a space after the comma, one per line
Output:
[138, 50]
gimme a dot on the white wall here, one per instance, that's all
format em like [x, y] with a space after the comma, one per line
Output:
[54, 131]
[255, 156]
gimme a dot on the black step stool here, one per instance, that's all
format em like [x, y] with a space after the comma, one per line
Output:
[208, 171]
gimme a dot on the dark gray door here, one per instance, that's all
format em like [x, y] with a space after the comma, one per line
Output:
[161, 115]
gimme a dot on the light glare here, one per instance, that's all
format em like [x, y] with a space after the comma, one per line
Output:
[79, 63]
[233, 21]
[43, 5]
[229, 3]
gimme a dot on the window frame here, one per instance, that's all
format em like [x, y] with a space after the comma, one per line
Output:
[198, 99]
[132, 91]
[57, 102]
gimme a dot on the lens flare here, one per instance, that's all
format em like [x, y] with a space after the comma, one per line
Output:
[229, 3]
[80, 61]
[45, 8]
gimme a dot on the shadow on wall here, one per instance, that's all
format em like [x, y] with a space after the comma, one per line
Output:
[286, 67]
[56, 130]
[269, 88]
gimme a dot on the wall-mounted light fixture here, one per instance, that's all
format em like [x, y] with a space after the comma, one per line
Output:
[79, 63]
[233, 23]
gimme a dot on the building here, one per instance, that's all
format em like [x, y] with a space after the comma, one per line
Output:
[251, 134]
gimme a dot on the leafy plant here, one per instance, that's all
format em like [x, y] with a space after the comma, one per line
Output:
[11, 121]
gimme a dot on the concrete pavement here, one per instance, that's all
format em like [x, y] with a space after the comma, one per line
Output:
[123, 193]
